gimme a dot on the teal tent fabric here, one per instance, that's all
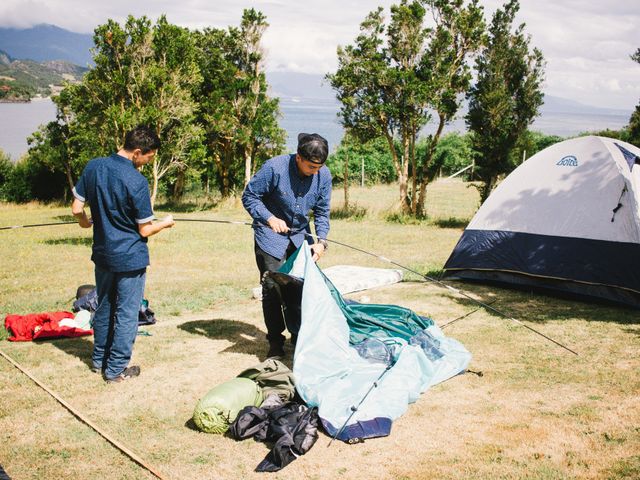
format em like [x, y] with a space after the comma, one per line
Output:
[331, 375]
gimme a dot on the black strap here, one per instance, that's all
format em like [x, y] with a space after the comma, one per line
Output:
[619, 206]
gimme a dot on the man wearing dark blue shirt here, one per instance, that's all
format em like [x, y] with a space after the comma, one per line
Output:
[121, 216]
[279, 198]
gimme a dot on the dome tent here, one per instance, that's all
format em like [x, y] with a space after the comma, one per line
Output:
[566, 220]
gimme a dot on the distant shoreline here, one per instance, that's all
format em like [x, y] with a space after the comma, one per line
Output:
[15, 100]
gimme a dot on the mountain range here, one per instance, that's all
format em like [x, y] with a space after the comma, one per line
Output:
[22, 79]
[46, 43]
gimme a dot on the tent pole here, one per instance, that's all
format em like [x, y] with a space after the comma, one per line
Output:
[380, 257]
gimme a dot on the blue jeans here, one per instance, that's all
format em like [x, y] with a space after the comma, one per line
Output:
[115, 322]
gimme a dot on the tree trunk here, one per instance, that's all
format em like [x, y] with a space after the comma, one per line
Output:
[247, 164]
[400, 171]
[178, 187]
[154, 188]
[414, 168]
[406, 200]
[421, 210]
[67, 171]
[346, 183]
[485, 189]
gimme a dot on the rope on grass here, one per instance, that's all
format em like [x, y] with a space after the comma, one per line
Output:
[88, 422]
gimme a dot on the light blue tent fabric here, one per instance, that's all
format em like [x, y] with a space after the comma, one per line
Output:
[331, 375]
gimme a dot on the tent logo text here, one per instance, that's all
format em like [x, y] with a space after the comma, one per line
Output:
[568, 161]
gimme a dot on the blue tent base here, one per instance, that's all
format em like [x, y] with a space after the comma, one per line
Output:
[595, 294]
[360, 431]
[604, 270]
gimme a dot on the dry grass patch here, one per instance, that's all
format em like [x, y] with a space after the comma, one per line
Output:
[537, 411]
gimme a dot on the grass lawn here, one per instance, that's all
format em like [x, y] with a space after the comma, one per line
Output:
[538, 412]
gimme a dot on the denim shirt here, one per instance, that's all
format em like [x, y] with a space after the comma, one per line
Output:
[118, 196]
[278, 189]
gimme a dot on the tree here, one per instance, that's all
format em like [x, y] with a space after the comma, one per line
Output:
[143, 74]
[6, 170]
[452, 154]
[389, 86]
[506, 97]
[239, 118]
[634, 121]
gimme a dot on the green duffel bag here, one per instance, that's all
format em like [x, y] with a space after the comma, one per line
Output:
[221, 405]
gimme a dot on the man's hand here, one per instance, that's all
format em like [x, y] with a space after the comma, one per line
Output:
[151, 228]
[77, 208]
[168, 221]
[277, 225]
[318, 250]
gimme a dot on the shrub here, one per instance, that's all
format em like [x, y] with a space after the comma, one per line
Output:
[29, 180]
[378, 165]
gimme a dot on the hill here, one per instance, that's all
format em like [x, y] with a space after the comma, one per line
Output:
[20, 80]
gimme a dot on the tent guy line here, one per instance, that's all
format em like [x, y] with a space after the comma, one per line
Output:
[484, 305]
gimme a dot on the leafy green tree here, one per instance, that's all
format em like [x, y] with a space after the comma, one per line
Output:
[390, 85]
[634, 122]
[506, 97]
[239, 118]
[31, 180]
[378, 165]
[452, 154]
[6, 168]
[530, 143]
[51, 148]
[143, 74]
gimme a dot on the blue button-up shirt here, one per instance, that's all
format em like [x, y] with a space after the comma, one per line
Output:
[279, 190]
[118, 196]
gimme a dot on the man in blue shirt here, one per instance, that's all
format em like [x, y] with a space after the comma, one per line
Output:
[121, 216]
[279, 198]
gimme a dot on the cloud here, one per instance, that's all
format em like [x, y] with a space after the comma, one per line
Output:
[586, 43]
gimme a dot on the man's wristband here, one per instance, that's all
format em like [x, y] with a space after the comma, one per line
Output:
[324, 243]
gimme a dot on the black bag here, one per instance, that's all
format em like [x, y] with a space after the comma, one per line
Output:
[87, 299]
[292, 428]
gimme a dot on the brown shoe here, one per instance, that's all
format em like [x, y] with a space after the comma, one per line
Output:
[126, 374]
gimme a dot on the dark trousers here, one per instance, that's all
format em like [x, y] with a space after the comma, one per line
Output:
[277, 314]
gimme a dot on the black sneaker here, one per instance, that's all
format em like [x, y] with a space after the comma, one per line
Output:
[276, 351]
[126, 374]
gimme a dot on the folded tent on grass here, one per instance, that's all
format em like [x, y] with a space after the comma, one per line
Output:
[567, 221]
[330, 373]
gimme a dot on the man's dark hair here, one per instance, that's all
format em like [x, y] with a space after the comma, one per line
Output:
[313, 147]
[141, 137]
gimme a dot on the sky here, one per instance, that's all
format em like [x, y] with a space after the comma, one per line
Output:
[586, 43]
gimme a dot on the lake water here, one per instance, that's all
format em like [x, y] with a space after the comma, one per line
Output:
[19, 120]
